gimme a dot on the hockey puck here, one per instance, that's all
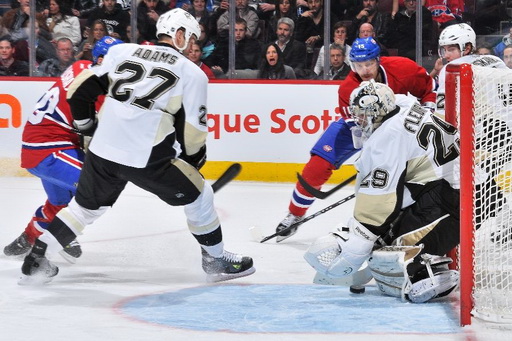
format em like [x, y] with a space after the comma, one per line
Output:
[357, 289]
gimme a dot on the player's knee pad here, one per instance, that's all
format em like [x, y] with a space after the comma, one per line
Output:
[342, 251]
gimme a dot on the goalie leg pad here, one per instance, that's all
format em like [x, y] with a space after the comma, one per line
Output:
[389, 268]
[341, 252]
[433, 280]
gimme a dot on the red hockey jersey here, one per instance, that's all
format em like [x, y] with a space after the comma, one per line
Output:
[401, 74]
[50, 127]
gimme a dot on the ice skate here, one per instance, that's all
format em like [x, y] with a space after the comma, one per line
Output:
[71, 252]
[287, 221]
[227, 266]
[19, 246]
[37, 270]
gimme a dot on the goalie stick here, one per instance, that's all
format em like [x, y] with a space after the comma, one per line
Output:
[308, 218]
[228, 175]
[318, 193]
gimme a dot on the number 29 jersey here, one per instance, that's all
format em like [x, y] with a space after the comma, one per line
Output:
[409, 150]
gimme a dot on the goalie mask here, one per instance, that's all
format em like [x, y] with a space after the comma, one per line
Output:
[369, 105]
[170, 22]
[457, 34]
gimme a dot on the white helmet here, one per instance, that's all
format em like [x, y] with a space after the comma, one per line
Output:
[457, 34]
[370, 103]
[170, 22]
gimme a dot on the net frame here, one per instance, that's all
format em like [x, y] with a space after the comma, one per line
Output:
[485, 287]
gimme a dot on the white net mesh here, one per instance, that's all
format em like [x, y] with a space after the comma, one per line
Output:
[492, 124]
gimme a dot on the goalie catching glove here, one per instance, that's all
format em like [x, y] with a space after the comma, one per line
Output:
[341, 252]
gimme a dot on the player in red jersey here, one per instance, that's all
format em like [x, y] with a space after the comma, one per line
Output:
[51, 150]
[336, 144]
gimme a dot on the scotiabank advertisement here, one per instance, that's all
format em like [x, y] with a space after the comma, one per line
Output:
[248, 121]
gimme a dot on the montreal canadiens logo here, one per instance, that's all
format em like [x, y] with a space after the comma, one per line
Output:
[327, 148]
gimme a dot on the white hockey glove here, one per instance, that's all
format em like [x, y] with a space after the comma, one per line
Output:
[342, 251]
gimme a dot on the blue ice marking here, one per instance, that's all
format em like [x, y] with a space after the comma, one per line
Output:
[291, 309]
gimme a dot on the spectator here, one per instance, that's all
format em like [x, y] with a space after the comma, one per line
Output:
[148, 12]
[83, 8]
[507, 56]
[370, 13]
[194, 54]
[310, 28]
[247, 51]
[56, 66]
[366, 30]
[505, 41]
[285, 8]
[206, 43]
[62, 23]
[199, 11]
[114, 17]
[339, 69]
[402, 31]
[16, 21]
[339, 38]
[445, 12]
[44, 48]
[5, 5]
[9, 66]
[485, 49]
[399, 5]
[94, 34]
[244, 11]
[272, 65]
[294, 51]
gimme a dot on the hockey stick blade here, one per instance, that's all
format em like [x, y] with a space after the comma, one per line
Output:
[318, 193]
[230, 173]
[308, 218]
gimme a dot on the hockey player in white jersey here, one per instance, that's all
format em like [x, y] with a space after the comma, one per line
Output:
[151, 132]
[457, 45]
[407, 192]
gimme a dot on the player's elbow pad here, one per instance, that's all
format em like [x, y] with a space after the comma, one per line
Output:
[86, 127]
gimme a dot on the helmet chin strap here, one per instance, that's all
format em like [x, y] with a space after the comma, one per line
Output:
[175, 43]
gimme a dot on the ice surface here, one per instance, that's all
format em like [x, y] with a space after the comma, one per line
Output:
[140, 278]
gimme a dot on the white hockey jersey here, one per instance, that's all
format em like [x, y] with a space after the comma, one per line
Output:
[473, 59]
[148, 86]
[410, 149]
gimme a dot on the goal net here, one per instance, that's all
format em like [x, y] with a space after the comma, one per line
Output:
[479, 101]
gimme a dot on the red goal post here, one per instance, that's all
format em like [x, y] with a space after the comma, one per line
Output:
[479, 101]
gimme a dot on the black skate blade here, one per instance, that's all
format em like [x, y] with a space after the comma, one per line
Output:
[70, 259]
[214, 278]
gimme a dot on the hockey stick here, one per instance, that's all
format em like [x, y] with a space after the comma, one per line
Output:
[228, 175]
[318, 193]
[308, 218]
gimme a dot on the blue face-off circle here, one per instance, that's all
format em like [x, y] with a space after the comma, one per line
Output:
[267, 308]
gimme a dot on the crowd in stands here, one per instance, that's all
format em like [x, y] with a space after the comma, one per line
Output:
[295, 27]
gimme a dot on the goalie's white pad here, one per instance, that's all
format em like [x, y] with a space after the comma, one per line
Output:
[389, 268]
[341, 252]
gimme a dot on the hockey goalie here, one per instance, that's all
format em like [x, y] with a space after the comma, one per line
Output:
[407, 195]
